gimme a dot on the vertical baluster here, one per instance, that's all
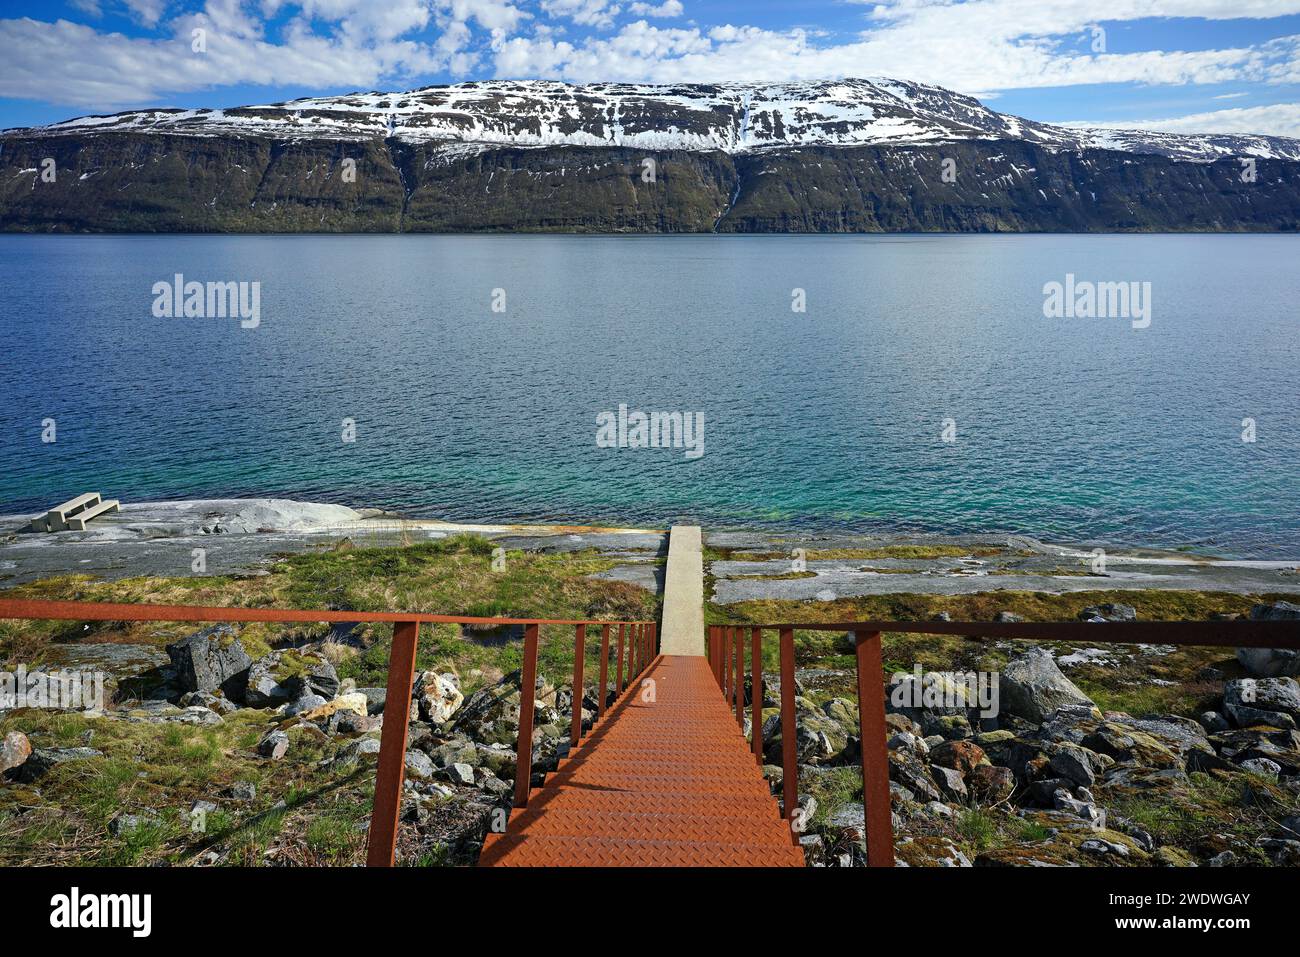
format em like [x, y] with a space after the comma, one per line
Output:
[756, 691]
[789, 768]
[604, 671]
[728, 635]
[579, 653]
[618, 683]
[740, 679]
[524, 740]
[875, 752]
[382, 842]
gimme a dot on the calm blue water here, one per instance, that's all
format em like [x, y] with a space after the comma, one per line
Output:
[1077, 430]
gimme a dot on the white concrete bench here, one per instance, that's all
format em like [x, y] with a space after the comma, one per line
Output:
[56, 519]
[77, 522]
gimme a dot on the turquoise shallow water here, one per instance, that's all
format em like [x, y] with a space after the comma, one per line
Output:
[1068, 429]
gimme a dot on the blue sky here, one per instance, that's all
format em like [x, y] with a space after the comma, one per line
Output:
[1185, 65]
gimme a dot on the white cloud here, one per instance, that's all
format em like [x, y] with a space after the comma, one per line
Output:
[1278, 119]
[590, 13]
[669, 8]
[975, 46]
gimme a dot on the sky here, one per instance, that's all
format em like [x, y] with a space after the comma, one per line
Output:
[1181, 65]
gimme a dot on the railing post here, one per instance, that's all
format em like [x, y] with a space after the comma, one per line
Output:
[382, 841]
[579, 655]
[756, 691]
[524, 740]
[618, 675]
[789, 767]
[604, 671]
[877, 815]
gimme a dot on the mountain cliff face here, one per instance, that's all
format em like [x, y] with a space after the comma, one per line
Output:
[847, 156]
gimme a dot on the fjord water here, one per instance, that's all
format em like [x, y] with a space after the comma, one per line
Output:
[1075, 430]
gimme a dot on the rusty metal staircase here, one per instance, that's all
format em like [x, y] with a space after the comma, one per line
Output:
[664, 778]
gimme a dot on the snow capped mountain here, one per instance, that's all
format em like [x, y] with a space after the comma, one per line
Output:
[731, 117]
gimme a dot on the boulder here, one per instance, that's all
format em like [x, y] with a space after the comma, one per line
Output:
[353, 703]
[1262, 766]
[418, 766]
[287, 675]
[950, 783]
[1272, 662]
[438, 696]
[1263, 701]
[14, 750]
[1074, 763]
[212, 659]
[206, 699]
[304, 705]
[961, 756]
[375, 699]
[459, 773]
[274, 745]
[1110, 611]
[1033, 687]
[990, 784]
[42, 760]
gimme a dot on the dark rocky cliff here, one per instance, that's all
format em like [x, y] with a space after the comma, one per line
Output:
[141, 181]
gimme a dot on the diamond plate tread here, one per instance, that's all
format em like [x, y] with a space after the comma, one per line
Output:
[758, 807]
[638, 760]
[564, 822]
[526, 850]
[669, 782]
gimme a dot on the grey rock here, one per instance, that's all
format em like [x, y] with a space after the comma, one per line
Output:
[418, 766]
[1264, 694]
[210, 660]
[1094, 816]
[42, 760]
[1074, 763]
[206, 699]
[1111, 611]
[1226, 859]
[287, 675]
[125, 824]
[1033, 687]
[375, 699]
[274, 745]
[1213, 722]
[243, 791]
[354, 751]
[1007, 617]
[1097, 846]
[950, 783]
[1262, 766]
[459, 773]
[308, 702]
[1272, 662]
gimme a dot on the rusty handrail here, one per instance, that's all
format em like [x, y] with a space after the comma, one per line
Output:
[382, 838]
[873, 746]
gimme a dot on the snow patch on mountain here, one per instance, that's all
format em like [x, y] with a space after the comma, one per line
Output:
[729, 117]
